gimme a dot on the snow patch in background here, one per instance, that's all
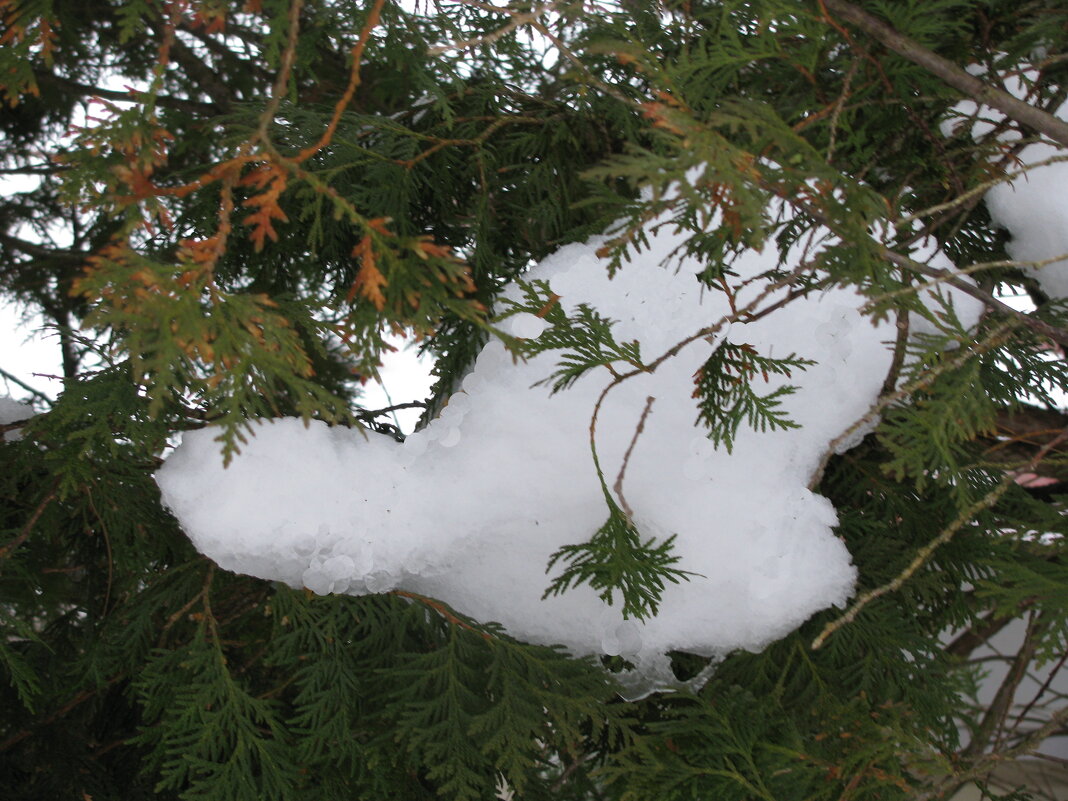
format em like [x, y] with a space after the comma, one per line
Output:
[1032, 206]
[13, 411]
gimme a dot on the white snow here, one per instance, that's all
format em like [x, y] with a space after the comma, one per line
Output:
[1031, 206]
[470, 509]
[12, 411]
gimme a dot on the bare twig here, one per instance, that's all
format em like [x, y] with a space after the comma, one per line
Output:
[8, 548]
[517, 19]
[998, 709]
[1058, 335]
[618, 486]
[393, 408]
[281, 82]
[1041, 690]
[18, 381]
[373, 18]
[983, 766]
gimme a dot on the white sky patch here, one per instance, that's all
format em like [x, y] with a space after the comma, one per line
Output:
[29, 352]
[405, 378]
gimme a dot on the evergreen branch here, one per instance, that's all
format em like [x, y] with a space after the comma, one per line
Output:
[977, 191]
[947, 276]
[1057, 334]
[75, 702]
[442, 609]
[950, 73]
[965, 517]
[177, 615]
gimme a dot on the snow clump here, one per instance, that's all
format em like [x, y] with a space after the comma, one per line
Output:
[470, 509]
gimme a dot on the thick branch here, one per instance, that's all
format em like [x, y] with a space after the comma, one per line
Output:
[208, 80]
[1058, 335]
[68, 85]
[41, 252]
[998, 710]
[950, 73]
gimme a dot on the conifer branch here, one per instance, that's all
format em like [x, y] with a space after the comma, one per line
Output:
[962, 519]
[977, 191]
[950, 73]
[1058, 335]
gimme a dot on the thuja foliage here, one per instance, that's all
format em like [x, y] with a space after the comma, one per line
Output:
[224, 208]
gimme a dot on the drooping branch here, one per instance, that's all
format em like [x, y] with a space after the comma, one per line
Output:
[950, 73]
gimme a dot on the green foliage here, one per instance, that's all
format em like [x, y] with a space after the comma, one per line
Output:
[726, 399]
[585, 338]
[207, 248]
[616, 559]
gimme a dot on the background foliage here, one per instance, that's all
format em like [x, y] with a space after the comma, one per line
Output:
[235, 202]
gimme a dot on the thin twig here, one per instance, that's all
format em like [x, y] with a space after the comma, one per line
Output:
[998, 709]
[442, 609]
[281, 81]
[570, 56]
[373, 18]
[987, 763]
[1058, 335]
[393, 408]
[24, 533]
[16, 380]
[979, 189]
[517, 19]
[1041, 690]
[618, 486]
